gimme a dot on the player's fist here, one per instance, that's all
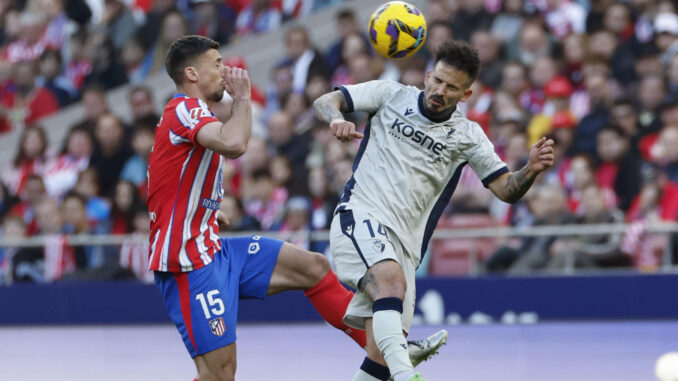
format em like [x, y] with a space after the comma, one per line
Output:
[344, 131]
[237, 82]
[542, 155]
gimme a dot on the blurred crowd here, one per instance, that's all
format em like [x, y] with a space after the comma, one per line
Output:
[598, 77]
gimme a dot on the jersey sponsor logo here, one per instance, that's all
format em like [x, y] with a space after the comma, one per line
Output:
[409, 111]
[199, 112]
[210, 204]
[217, 326]
[402, 130]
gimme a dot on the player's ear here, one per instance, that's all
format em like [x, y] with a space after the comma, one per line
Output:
[467, 95]
[191, 73]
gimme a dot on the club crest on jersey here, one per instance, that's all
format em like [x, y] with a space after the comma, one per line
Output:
[378, 245]
[217, 326]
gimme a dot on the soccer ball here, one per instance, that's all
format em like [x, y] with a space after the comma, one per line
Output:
[397, 29]
[666, 368]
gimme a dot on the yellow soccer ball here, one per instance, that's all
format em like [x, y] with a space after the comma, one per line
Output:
[397, 29]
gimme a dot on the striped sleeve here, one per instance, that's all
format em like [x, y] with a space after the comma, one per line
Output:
[192, 115]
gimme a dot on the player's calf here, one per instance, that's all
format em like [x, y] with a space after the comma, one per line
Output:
[217, 365]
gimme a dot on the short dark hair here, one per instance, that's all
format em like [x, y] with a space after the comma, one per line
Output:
[461, 56]
[182, 51]
[74, 195]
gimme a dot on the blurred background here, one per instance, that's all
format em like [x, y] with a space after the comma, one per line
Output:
[586, 261]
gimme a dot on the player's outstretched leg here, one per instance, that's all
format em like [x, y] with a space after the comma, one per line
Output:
[217, 365]
[385, 284]
[298, 269]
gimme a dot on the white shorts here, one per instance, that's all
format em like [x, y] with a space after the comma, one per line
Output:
[357, 242]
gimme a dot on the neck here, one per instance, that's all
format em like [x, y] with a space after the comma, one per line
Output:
[193, 92]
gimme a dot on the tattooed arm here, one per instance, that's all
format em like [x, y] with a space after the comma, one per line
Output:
[510, 187]
[328, 108]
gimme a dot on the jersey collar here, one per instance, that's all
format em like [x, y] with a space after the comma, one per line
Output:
[179, 95]
[428, 115]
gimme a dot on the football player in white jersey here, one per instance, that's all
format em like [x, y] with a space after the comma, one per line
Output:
[408, 164]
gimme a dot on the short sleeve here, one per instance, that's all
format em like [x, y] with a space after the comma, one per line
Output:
[192, 114]
[484, 160]
[369, 96]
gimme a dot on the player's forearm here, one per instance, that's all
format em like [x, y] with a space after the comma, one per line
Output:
[236, 131]
[327, 107]
[518, 183]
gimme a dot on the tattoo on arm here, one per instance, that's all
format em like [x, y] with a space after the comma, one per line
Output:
[369, 284]
[326, 108]
[518, 183]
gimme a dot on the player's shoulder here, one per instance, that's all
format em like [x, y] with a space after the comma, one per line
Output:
[467, 127]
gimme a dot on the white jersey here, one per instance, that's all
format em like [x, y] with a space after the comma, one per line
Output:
[409, 161]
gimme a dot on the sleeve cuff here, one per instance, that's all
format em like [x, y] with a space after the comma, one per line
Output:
[493, 176]
[201, 124]
[347, 95]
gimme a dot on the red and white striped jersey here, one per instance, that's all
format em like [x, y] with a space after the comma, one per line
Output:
[184, 189]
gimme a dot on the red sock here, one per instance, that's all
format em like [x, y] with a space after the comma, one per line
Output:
[331, 300]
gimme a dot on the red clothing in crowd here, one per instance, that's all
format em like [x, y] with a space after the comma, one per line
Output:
[23, 111]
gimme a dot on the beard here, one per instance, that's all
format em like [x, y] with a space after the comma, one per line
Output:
[217, 96]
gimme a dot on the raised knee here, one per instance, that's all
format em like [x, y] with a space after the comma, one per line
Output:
[318, 267]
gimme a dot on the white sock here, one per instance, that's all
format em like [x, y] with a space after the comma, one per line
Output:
[388, 334]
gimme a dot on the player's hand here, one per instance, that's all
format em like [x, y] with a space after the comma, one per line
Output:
[237, 82]
[344, 131]
[542, 155]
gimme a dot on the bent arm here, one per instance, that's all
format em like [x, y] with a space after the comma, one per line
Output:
[229, 139]
[512, 186]
[328, 107]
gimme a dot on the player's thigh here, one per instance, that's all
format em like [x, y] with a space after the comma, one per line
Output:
[359, 242]
[217, 365]
[203, 304]
[297, 269]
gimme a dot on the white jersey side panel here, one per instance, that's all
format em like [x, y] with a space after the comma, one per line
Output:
[409, 164]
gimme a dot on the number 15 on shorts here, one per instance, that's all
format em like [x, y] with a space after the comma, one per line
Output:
[213, 300]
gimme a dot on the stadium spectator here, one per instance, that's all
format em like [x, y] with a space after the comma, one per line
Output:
[25, 264]
[353, 45]
[600, 99]
[142, 105]
[488, 52]
[98, 209]
[149, 31]
[285, 142]
[126, 200]
[133, 255]
[30, 43]
[51, 78]
[7, 200]
[95, 105]
[136, 166]
[322, 201]
[568, 253]
[173, 26]
[238, 219]
[28, 103]
[263, 199]
[557, 92]
[533, 42]
[548, 205]
[470, 17]
[305, 60]
[439, 31]
[257, 17]
[61, 173]
[619, 168]
[136, 61]
[31, 158]
[110, 153]
[79, 64]
[509, 21]
[346, 25]
[117, 22]
[74, 215]
[295, 223]
[107, 70]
